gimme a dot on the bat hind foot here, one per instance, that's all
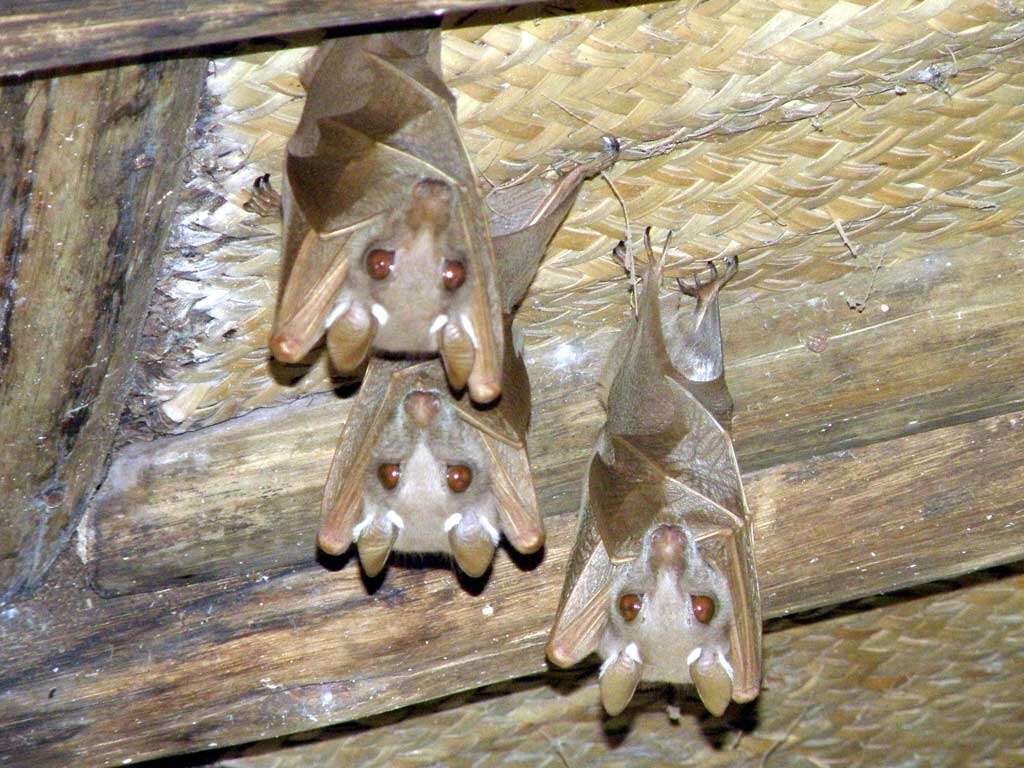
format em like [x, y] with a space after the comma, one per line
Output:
[706, 285]
[263, 199]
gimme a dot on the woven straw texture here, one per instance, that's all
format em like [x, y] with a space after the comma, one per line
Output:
[930, 678]
[810, 137]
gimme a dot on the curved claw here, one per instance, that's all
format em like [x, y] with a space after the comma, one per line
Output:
[705, 289]
[713, 682]
[263, 199]
[473, 541]
[374, 541]
[349, 338]
[619, 679]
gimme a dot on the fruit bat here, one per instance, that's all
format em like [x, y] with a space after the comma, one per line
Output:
[418, 467]
[422, 469]
[386, 245]
[661, 581]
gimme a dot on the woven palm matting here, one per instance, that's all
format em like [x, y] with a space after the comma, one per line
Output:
[810, 137]
[930, 677]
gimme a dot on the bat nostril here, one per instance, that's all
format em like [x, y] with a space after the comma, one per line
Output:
[431, 205]
[422, 408]
[668, 547]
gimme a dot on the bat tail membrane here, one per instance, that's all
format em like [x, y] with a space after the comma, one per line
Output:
[698, 354]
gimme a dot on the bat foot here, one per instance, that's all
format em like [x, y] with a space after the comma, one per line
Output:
[705, 286]
[263, 199]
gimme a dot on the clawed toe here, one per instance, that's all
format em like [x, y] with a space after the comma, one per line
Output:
[263, 199]
[703, 286]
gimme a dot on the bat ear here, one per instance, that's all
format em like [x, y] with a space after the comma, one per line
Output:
[575, 636]
[619, 678]
[713, 682]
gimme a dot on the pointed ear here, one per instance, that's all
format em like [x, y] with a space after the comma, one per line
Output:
[714, 686]
[619, 678]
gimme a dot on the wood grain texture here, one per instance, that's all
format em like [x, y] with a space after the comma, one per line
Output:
[244, 658]
[46, 34]
[89, 166]
[937, 345]
[840, 691]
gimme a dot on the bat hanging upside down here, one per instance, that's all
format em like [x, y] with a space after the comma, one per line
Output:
[661, 583]
[389, 247]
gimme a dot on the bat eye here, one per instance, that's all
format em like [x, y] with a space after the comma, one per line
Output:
[454, 274]
[379, 263]
[629, 606]
[459, 477]
[703, 608]
[389, 474]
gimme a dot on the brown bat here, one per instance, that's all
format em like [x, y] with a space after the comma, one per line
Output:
[661, 583]
[420, 469]
[386, 245]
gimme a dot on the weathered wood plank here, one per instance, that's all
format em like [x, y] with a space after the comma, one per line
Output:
[840, 691]
[89, 165]
[44, 34]
[245, 494]
[240, 659]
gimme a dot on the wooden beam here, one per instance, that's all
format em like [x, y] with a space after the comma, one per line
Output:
[48, 34]
[224, 662]
[840, 690]
[939, 344]
[89, 168]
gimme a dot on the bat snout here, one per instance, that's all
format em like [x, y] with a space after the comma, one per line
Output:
[431, 205]
[668, 548]
[422, 408]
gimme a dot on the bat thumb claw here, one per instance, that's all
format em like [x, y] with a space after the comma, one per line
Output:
[619, 679]
[286, 348]
[483, 387]
[374, 544]
[473, 541]
[713, 682]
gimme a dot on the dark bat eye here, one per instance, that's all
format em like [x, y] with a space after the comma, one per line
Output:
[629, 606]
[454, 274]
[703, 608]
[379, 263]
[389, 474]
[459, 477]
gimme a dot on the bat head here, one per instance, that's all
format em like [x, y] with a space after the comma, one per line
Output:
[666, 615]
[669, 620]
[410, 270]
[428, 488]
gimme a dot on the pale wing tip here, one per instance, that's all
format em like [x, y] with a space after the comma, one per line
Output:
[333, 542]
[286, 348]
[484, 389]
[559, 656]
[743, 695]
[529, 540]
